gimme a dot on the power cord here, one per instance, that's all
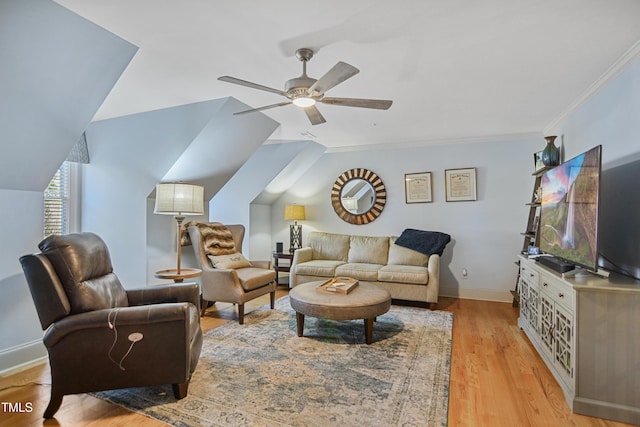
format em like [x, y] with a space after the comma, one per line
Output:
[112, 325]
[134, 337]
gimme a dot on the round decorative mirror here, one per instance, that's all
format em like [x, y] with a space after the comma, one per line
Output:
[358, 196]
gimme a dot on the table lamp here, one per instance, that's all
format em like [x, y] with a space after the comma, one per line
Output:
[294, 213]
[179, 199]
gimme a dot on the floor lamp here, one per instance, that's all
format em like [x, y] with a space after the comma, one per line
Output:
[179, 199]
[294, 213]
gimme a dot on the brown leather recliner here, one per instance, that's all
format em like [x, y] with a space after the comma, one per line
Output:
[101, 336]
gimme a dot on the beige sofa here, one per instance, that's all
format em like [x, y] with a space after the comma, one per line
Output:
[405, 273]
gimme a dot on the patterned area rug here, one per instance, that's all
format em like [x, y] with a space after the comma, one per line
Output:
[263, 374]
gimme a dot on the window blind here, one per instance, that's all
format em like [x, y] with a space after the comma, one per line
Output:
[56, 202]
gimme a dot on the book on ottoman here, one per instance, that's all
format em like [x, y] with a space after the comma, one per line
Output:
[338, 285]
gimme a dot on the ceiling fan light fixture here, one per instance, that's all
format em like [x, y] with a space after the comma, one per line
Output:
[304, 91]
[304, 102]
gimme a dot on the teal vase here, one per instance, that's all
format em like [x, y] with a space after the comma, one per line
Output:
[550, 154]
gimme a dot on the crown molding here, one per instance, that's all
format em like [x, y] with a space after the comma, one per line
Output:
[607, 77]
[437, 141]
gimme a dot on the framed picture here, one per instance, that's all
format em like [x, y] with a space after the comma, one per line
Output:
[537, 161]
[533, 250]
[460, 184]
[417, 187]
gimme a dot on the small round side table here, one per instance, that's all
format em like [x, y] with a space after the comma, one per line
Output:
[172, 274]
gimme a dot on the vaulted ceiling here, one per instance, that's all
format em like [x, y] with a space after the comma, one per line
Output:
[454, 69]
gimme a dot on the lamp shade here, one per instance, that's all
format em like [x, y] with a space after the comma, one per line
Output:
[294, 212]
[179, 199]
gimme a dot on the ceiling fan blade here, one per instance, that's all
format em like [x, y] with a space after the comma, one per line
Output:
[336, 75]
[266, 107]
[314, 115]
[378, 104]
[241, 82]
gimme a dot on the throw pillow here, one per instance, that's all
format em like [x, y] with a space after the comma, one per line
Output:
[236, 260]
[216, 238]
[399, 255]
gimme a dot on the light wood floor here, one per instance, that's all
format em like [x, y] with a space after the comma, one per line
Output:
[497, 378]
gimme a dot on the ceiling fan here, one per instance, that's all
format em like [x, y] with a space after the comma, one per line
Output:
[305, 91]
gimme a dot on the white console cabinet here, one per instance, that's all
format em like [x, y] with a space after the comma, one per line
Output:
[587, 330]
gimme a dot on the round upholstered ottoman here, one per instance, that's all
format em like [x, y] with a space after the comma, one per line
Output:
[366, 302]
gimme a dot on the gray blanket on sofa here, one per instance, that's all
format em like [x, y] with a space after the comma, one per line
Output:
[426, 242]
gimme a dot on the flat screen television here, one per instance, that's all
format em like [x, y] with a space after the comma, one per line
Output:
[619, 219]
[569, 211]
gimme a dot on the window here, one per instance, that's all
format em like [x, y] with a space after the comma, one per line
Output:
[57, 202]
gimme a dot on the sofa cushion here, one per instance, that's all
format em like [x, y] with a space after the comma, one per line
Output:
[329, 246]
[370, 250]
[399, 255]
[253, 278]
[360, 271]
[404, 274]
[236, 260]
[318, 267]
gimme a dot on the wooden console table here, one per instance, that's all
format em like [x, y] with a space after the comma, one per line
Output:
[585, 328]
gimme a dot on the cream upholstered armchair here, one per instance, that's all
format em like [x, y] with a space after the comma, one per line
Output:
[227, 276]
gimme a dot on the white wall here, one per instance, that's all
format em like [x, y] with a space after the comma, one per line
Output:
[266, 175]
[610, 118]
[21, 227]
[257, 244]
[215, 155]
[129, 156]
[56, 70]
[485, 233]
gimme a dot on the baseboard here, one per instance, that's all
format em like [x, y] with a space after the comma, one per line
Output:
[477, 294]
[607, 410]
[21, 357]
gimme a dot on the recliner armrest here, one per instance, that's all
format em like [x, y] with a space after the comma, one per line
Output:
[178, 292]
[103, 321]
